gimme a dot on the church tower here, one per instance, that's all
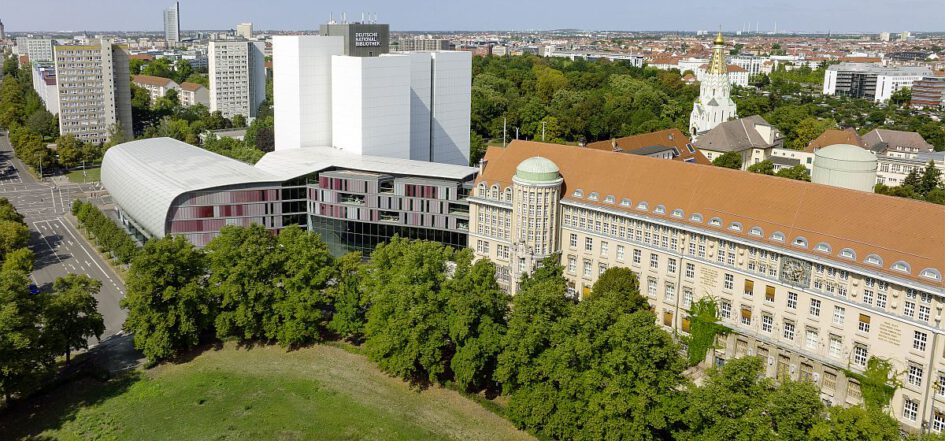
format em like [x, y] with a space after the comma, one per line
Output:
[715, 104]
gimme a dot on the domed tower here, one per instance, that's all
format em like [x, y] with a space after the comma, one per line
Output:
[715, 104]
[536, 195]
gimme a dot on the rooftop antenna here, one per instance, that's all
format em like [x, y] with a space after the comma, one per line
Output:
[344, 18]
[331, 18]
[362, 16]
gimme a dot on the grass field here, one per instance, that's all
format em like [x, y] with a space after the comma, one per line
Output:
[263, 393]
[93, 175]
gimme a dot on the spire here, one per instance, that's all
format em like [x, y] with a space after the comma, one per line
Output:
[717, 62]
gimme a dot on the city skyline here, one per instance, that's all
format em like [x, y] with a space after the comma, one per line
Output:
[867, 16]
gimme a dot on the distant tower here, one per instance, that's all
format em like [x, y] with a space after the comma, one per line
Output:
[3, 33]
[715, 104]
[172, 23]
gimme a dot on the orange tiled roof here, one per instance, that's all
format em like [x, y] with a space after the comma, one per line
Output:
[895, 229]
[834, 136]
[151, 80]
[668, 138]
[190, 87]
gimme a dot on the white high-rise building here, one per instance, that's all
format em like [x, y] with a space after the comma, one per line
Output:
[245, 30]
[237, 77]
[715, 104]
[94, 90]
[302, 89]
[370, 105]
[172, 23]
[39, 50]
[412, 105]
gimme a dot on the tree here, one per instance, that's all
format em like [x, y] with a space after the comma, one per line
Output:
[307, 270]
[13, 235]
[8, 211]
[901, 97]
[621, 281]
[182, 71]
[797, 172]
[477, 148]
[116, 135]
[807, 130]
[24, 361]
[406, 331]
[44, 123]
[71, 314]
[168, 306]
[931, 179]
[71, 150]
[245, 265]
[765, 167]
[728, 160]
[160, 67]
[20, 259]
[348, 318]
[855, 424]
[238, 120]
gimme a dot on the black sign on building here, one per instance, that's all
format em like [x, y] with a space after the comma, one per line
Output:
[361, 39]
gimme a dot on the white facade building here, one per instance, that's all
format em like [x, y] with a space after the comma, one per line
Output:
[172, 23]
[715, 104]
[237, 77]
[870, 81]
[245, 30]
[440, 86]
[370, 105]
[44, 83]
[94, 90]
[40, 50]
[302, 89]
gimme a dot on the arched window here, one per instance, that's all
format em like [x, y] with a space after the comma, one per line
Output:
[508, 194]
[902, 266]
[677, 213]
[848, 253]
[800, 242]
[735, 226]
[778, 236]
[715, 222]
[931, 273]
[823, 247]
[696, 217]
[756, 231]
[873, 259]
[481, 192]
[495, 192]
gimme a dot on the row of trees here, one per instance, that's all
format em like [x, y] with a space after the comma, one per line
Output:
[35, 329]
[107, 234]
[429, 314]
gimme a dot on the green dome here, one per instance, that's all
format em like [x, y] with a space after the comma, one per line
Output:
[537, 169]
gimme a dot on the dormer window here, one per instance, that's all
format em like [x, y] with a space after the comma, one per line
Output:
[625, 202]
[873, 259]
[735, 226]
[660, 209]
[715, 222]
[847, 253]
[677, 213]
[609, 199]
[755, 231]
[901, 266]
[578, 193]
[778, 236]
[696, 217]
[800, 242]
[823, 247]
[642, 206]
[930, 273]
[593, 196]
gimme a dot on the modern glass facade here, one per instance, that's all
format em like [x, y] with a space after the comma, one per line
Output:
[343, 236]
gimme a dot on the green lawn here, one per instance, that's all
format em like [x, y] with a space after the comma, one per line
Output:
[93, 174]
[256, 394]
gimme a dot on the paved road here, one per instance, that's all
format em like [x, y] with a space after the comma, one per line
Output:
[59, 247]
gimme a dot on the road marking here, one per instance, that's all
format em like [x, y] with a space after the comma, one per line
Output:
[48, 245]
[81, 245]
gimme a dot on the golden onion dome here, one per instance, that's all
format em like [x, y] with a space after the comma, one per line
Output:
[718, 39]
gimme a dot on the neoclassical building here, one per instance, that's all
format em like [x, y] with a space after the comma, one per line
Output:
[813, 279]
[715, 104]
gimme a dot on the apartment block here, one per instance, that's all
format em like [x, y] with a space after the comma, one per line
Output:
[93, 83]
[237, 77]
[44, 83]
[40, 50]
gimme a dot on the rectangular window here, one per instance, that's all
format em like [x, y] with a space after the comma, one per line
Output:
[687, 297]
[670, 292]
[587, 269]
[815, 307]
[746, 315]
[690, 271]
[667, 318]
[792, 300]
[654, 261]
[789, 330]
[767, 322]
[604, 248]
[910, 409]
[601, 268]
[651, 286]
[924, 313]
[919, 339]
[915, 375]
[838, 315]
[830, 381]
[573, 240]
[620, 253]
[864, 324]
[729, 282]
[836, 346]
[860, 355]
[940, 389]
[671, 265]
[588, 244]
[881, 300]
[908, 309]
[725, 309]
[811, 339]
[769, 294]
[938, 422]
[749, 288]
[636, 256]
[572, 264]
[868, 296]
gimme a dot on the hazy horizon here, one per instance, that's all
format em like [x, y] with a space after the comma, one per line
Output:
[800, 16]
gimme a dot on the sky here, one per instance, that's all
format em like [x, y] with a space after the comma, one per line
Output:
[448, 15]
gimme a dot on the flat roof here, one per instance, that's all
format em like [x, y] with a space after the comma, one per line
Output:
[292, 163]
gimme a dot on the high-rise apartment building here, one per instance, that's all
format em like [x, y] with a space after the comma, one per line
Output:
[40, 50]
[172, 23]
[245, 30]
[237, 77]
[94, 90]
[3, 32]
[420, 44]
[814, 280]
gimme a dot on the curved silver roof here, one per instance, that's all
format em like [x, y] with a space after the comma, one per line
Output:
[144, 177]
